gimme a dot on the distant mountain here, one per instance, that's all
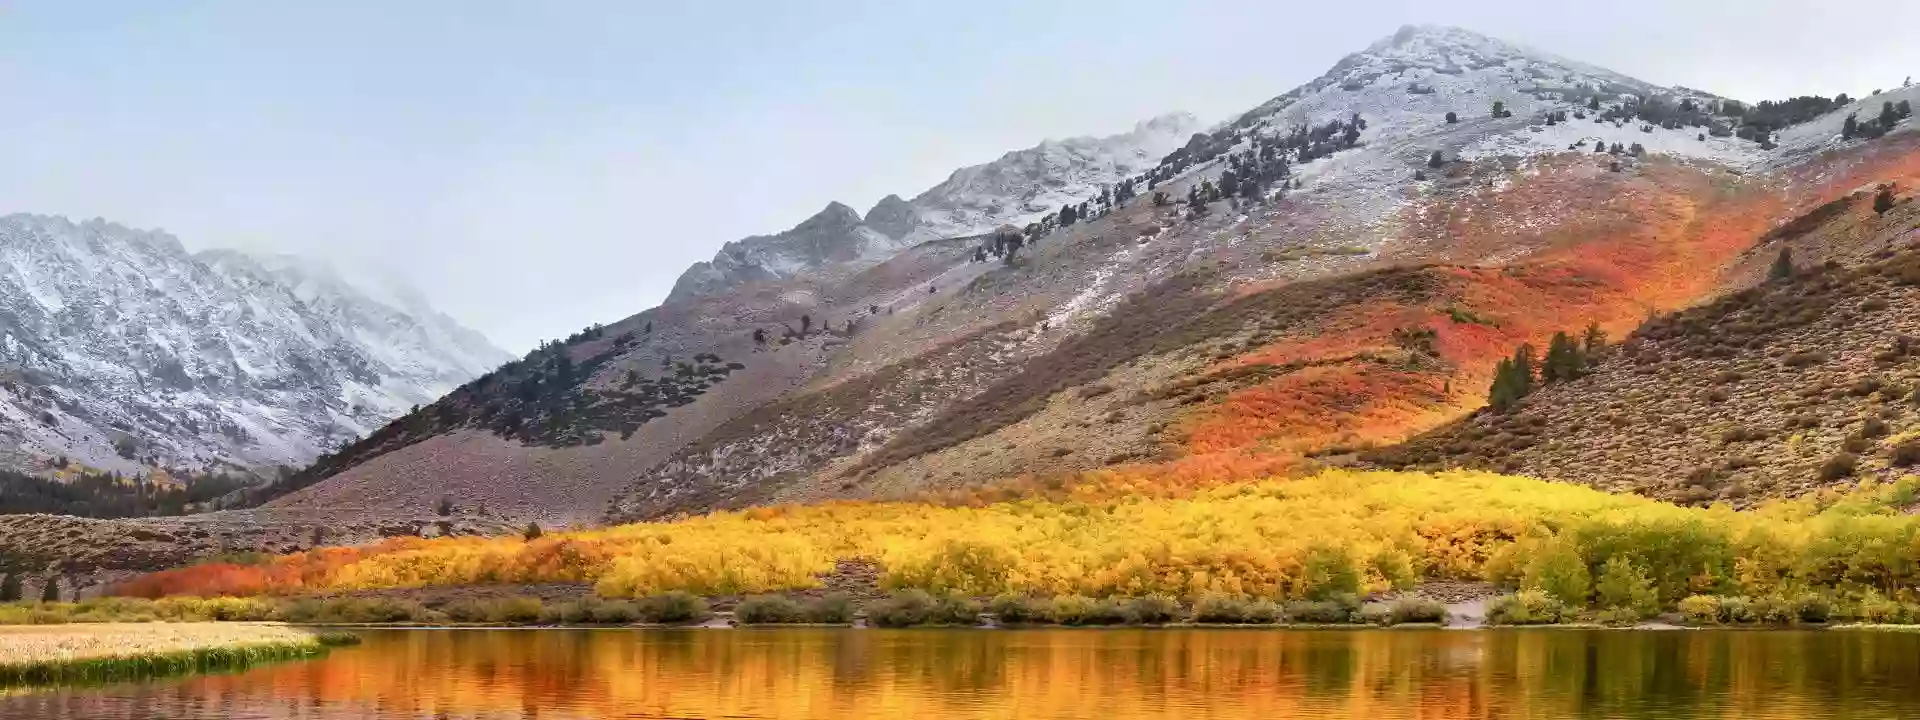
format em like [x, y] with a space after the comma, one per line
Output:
[122, 350]
[1018, 188]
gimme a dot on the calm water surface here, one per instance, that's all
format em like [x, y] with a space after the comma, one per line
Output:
[1106, 674]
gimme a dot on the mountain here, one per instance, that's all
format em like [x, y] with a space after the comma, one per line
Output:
[1018, 188]
[1338, 269]
[123, 351]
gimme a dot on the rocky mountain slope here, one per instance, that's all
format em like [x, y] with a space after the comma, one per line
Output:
[1789, 386]
[123, 351]
[1016, 189]
[1341, 266]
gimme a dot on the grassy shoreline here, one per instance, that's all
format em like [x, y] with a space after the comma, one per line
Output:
[85, 654]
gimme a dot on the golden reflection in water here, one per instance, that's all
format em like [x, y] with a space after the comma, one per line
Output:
[1111, 675]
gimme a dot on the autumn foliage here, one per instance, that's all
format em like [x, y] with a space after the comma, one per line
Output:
[1281, 539]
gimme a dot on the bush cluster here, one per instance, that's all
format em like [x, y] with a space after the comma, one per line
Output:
[831, 609]
[909, 608]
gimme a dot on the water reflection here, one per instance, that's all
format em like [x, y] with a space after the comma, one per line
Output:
[1112, 675]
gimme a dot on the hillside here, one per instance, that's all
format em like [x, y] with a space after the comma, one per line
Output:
[124, 352]
[1334, 284]
[1797, 384]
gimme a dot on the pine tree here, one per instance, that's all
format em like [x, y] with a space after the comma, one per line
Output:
[1782, 265]
[1436, 160]
[1452, 117]
[1905, 108]
[1889, 117]
[1593, 103]
[1499, 109]
[445, 507]
[759, 336]
[1505, 392]
[1850, 128]
[1593, 340]
[1563, 361]
[50, 592]
[10, 588]
[806, 324]
[1523, 368]
[1883, 200]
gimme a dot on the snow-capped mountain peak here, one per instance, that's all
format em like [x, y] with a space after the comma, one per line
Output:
[124, 350]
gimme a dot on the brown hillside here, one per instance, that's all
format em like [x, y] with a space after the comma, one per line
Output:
[1772, 391]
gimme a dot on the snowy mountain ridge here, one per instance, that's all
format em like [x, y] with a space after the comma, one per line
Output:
[122, 350]
[1018, 188]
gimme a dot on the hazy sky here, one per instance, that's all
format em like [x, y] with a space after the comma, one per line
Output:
[537, 166]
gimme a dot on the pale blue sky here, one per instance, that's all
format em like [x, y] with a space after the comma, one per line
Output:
[535, 167]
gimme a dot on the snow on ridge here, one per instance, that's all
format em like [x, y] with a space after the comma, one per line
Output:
[1024, 185]
[120, 337]
[1018, 188]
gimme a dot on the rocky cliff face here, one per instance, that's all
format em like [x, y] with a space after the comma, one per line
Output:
[1018, 188]
[122, 350]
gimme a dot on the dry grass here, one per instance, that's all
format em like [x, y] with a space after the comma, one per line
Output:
[27, 644]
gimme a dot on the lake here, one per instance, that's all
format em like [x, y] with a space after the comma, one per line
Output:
[1105, 674]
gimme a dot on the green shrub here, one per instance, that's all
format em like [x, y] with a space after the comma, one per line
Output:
[1082, 610]
[832, 608]
[1011, 609]
[1264, 612]
[1812, 608]
[1617, 616]
[466, 610]
[907, 608]
[1227, 610]
[768, 610]
[1839, 466]
[1701, 609]
[1152, 610]
[1321, 612]
[674, 607]
[1375, 613]
[1905, 454]
[1219, 609]
[1527, 607]
[1329, 571]
[1624, 588]
[1336, 609]
[303, 610]
[1418, 610]
[590, 611]
[1880, 609]
[1558, 569]
[1773, 610]
[368, 610]
[956, 610]
[1736, 610]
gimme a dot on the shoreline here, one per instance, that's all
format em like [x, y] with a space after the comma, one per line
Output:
[723, 624]
[33, 656]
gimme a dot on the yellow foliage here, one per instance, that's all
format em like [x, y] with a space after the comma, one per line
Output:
[1276, 538]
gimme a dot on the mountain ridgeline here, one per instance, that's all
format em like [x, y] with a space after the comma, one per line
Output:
[123, 352]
